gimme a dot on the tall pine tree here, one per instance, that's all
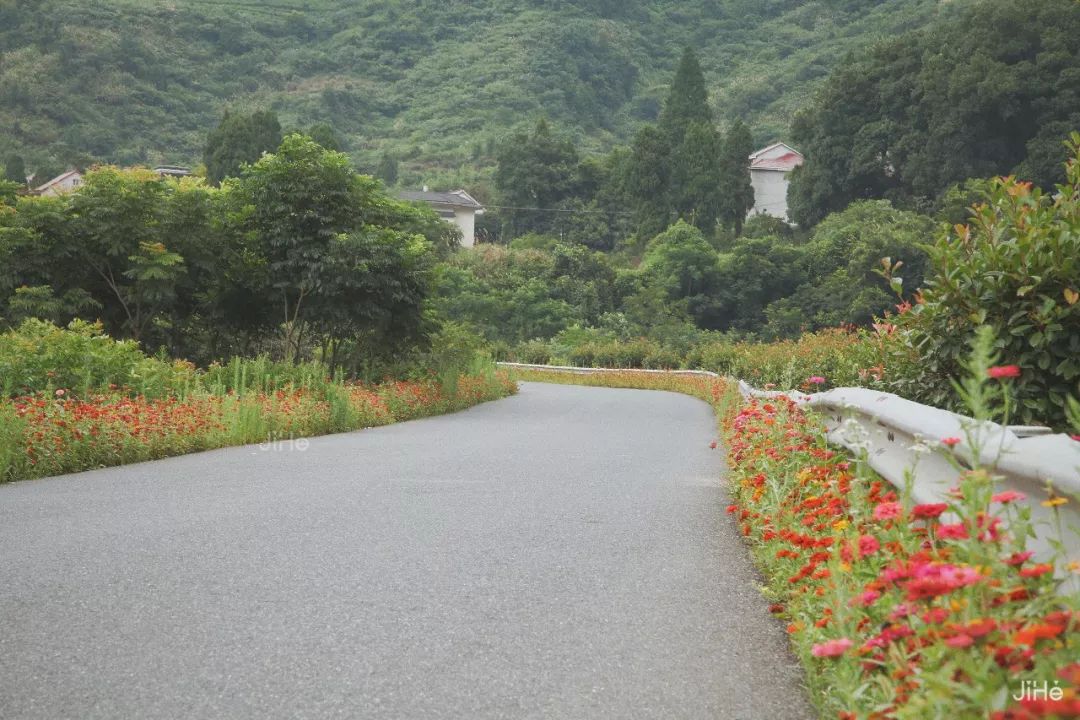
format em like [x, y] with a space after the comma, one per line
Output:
[737, 194]
[696, 184]
[239, 140]
[687, 101]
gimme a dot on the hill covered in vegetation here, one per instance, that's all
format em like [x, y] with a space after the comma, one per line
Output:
[436, 84]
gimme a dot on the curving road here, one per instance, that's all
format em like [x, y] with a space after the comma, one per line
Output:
[560, 554]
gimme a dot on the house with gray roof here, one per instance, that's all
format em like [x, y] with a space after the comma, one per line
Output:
[457, 207]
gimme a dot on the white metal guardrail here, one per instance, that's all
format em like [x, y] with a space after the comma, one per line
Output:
[902, 442]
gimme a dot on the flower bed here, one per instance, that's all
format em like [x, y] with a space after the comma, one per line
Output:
[54, 433]
[896, 610]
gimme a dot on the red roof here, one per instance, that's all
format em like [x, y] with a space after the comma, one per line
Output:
[776, 157]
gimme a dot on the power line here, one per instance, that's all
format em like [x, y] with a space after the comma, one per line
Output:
[559, 210]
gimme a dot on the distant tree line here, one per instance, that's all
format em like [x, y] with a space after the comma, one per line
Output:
[993, 91]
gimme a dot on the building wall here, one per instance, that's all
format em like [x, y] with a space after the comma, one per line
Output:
[64, 186]
[770, 193]
[466, 220]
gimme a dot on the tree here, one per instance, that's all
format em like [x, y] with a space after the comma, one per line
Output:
[696, 190]
[646, 180]
[332, 271]
[687, 101]
[323, 133]
[682, 263]
[537, 172]
[15, 169]
[387, 169]
[737, 194]
[989, 91]
[239, 140]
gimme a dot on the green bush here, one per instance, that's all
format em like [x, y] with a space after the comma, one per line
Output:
[533, 352]
[81, 358]
[1015, 267]
[663, 359]
[582, 355]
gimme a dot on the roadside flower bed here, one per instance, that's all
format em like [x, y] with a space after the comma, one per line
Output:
[902, 610]
[54, 433]
[896, 610]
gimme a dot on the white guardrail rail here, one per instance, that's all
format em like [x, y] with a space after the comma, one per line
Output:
[901, 440]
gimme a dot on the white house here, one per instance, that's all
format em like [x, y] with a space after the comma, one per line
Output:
[769, 171]
[61, 184]
[458, 207]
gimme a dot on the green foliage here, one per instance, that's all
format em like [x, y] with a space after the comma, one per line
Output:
[39, 356]
[1014, 268]
[737, 196]
[683, 264]
[15, 170]
[534, 171]
[838, 263]
[141, 81]
[687, 102]
[990, 91]
[240, 140]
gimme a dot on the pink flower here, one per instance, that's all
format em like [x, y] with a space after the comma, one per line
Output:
[951, 441]
[831, 648]
[816, 380]
[959, 641]
[952, 532]
[866, 599]
[713, 445]
[888, 511]
[60, 392]
[868, 545]
[1008, 496]
[1004, 371]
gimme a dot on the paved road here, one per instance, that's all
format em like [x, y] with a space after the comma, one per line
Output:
[560, 554]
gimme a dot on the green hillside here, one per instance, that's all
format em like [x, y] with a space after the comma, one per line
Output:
[436, 82]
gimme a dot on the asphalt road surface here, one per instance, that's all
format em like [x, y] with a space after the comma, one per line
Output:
[560, 554]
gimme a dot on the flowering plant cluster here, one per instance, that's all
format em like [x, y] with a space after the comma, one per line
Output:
[901, 609]
[50, 433]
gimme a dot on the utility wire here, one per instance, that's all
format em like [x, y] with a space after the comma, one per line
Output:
[560, 210]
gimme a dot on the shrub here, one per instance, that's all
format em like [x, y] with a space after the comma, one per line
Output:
[582, 355]
[1016, 267]
[39, 356]
[662, 359]
[533, 352]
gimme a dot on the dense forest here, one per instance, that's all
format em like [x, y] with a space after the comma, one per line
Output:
[436, 84]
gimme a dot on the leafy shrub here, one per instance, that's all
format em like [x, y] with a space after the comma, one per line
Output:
[1016, 267]
[40, 356]
[662, 359]
[582, 355]
[533, 352]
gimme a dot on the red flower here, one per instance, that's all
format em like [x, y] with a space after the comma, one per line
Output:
[951, 441]
[932, 510]
[1004, 371]
[816, 380]
[713, 445]
[1037, 570]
